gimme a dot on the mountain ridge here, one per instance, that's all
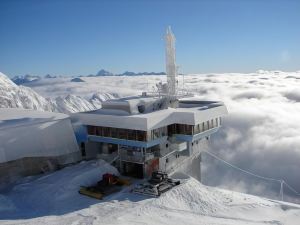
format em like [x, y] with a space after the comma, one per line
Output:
[18, 96]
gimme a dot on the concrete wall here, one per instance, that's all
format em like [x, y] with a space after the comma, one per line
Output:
[13, 170]
[187, 162]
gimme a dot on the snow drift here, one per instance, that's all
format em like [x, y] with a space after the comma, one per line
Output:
[54, 199]
[55, 193]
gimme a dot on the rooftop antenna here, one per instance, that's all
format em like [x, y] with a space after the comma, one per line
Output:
[171, 68]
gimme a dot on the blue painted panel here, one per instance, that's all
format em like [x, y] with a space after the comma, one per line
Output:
[80, 133]
[125, 142]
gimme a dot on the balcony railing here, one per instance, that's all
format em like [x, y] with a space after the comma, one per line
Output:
[136, 157]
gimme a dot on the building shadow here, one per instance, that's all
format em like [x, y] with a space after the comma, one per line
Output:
[56, 194]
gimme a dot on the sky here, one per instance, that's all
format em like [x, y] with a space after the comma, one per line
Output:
[81, 37]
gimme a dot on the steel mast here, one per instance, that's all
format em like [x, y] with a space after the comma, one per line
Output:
[171, 68]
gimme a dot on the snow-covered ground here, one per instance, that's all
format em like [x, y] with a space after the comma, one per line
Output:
[54, 199]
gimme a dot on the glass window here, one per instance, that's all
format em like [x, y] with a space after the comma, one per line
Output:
[189, 129]
[131, 135]
[122, 134]
[114, 132]
[91, 130]
[141, 135]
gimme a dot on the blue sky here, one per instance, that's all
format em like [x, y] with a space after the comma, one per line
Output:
[80, 37]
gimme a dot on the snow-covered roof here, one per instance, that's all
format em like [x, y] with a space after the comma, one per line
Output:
[16, 117]
[130, 104]
[30, 133]
[188, 112]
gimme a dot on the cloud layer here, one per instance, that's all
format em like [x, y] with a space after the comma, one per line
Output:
[260, 134]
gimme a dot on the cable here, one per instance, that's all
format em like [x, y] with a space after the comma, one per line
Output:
[282, 182]
[291, 188]
[245, 171]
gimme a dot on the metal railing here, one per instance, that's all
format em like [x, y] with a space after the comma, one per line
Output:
[136, 157]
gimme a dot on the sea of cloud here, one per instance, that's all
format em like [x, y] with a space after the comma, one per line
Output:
[261, 132]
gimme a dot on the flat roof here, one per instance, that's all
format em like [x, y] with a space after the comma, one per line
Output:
[16, 117]
[130, 104]
[190, 112]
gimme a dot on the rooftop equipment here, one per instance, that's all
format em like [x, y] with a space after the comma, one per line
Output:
[171, 68]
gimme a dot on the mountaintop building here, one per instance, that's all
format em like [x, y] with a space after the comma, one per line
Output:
[162, 131]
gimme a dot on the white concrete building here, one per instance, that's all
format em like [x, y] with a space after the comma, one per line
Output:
[34, 141]
[149, 133]
[155, 139]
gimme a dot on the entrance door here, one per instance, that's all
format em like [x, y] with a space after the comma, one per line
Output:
[133, 170]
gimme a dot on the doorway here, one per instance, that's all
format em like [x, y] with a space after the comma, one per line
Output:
[133, 169]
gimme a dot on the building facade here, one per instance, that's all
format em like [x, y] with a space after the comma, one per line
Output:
[142, 134]
[139, 143]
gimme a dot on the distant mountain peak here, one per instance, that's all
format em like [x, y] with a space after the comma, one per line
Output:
[77, 79]
[49, 76]
[128, 73]
[19, 80]
[103, 72]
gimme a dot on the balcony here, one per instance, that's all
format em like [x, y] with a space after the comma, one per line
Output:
[136, 157]
[108, 157]
[183, 137]
[179, 146]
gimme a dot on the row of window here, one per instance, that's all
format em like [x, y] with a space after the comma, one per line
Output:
[206, 125]
[135, 135]
[138, 135]
[193, 129]
[180, 129]
[159, 132]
